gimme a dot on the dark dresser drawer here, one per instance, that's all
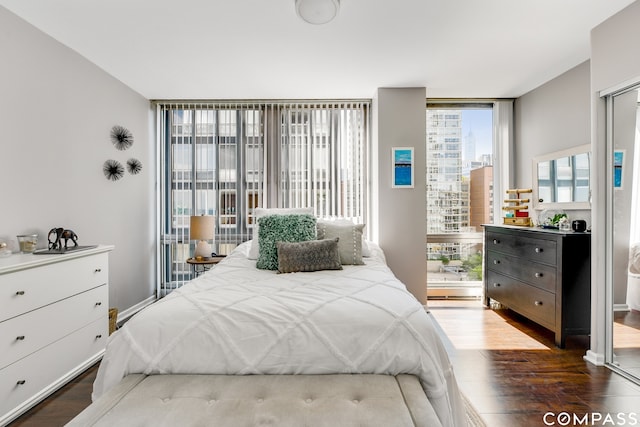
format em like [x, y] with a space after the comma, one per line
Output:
[539, 275]
[538, 250]
[533, 303]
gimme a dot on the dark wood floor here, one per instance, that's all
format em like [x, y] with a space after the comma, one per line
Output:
[511, 371]
[507, 366]
[63, 405]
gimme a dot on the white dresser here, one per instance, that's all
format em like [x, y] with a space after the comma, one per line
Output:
[53, 323]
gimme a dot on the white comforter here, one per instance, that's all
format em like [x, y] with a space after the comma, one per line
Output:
[236, 319]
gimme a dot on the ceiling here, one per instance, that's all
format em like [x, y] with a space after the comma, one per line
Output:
[260, 49]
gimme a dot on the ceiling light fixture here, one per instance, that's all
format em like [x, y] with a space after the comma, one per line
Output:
[317, 11]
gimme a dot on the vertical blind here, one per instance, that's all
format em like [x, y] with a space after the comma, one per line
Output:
[227, 158]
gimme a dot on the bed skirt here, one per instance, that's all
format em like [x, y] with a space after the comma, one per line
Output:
[262, 400]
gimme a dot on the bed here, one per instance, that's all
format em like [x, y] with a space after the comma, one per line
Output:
[239, 321]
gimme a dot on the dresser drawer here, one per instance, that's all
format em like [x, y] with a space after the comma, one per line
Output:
[26, 290]
[537, 250]
[539, 275]
[532, 302]
[23, 381]
[25, 334]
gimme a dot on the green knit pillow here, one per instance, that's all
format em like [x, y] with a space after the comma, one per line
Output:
[282, 228]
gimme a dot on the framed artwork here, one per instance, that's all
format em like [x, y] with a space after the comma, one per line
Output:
[402, 167]
[618, 168]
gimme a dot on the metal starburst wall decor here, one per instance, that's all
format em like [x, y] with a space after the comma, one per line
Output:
[134, 166]
[113, 170]
[121, 138]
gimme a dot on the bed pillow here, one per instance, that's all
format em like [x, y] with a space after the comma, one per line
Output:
[312, 255]
[366, 250]
[350, 239]
[258, 213]
[282, 228]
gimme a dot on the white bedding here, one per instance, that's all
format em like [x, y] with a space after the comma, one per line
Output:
[236, 319]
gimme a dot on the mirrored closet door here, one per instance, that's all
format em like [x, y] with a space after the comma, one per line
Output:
[623, 230]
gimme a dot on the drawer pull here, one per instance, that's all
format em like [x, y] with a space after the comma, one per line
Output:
[98, 270]
[496, 285]
[496, 241]
[538, 250]
[538, 303]
[20, 293]
[496, 261]
[21, 382]
[20, 338]
[538, 275]
[98, 303]
[98, 336]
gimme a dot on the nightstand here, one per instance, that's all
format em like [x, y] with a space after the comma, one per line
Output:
[199, 266]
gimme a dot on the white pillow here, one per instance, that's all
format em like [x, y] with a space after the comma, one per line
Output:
[366, 250]
[349, 238]
[254, 252]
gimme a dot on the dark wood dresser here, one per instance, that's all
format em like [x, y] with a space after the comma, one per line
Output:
[544, 275]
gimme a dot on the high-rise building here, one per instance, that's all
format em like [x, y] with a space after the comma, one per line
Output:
[445, 196]
[447, 190]
[481, 197]
[459, 185]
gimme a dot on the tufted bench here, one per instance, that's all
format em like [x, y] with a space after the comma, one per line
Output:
[262, 400]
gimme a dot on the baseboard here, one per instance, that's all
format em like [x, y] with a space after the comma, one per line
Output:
[621, 307]
[594, 358]
[126, 314]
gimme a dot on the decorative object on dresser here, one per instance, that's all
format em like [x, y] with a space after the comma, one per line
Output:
[53, 323]
[551, 218]
[542, 274]
[4, 249]
[55, 237]
[58, 233]
[27, 243]
[516, 208]
[579, 225]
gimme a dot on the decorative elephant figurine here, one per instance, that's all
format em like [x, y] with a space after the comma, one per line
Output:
[56, 234]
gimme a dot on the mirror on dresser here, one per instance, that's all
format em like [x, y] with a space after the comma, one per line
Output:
[561, 179]
[623, 230]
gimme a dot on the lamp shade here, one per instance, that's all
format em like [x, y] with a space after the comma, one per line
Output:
[201, 228]
[317, 11]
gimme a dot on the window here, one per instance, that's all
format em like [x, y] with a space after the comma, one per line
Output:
[226, 159]
[459, 141]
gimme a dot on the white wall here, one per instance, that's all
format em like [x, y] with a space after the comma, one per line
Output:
[552, 117]
[56, 112]
[614, 59]
[399, 120]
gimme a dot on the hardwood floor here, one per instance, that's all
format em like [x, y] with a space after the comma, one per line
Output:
[61, 406]
[507, 366]
[511, 371]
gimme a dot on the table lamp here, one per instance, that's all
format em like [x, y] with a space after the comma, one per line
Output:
[201, 228]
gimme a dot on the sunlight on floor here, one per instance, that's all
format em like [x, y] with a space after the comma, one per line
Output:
[479, 328]
[625, 336]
